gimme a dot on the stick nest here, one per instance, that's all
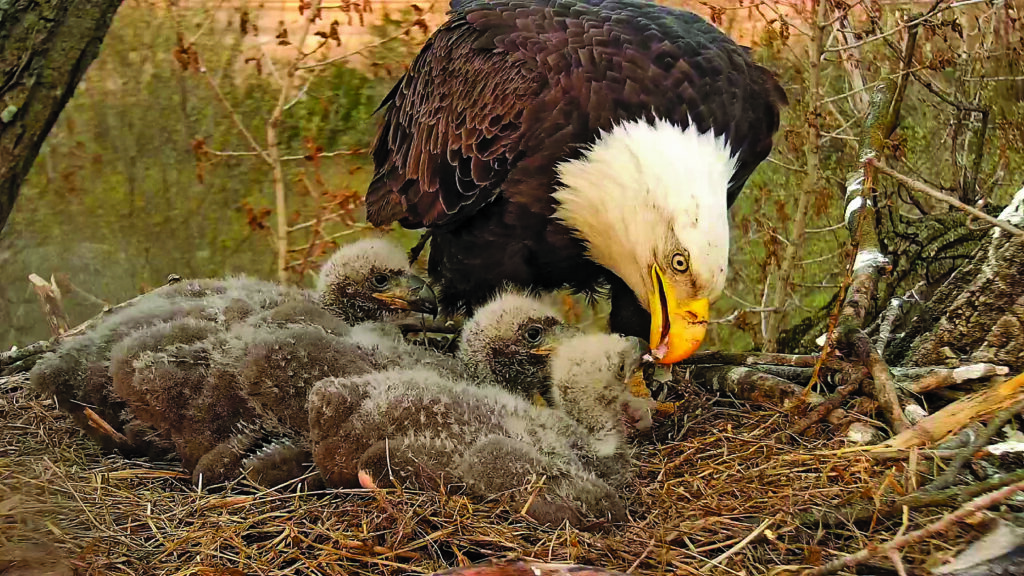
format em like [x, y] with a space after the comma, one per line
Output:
[705, 482]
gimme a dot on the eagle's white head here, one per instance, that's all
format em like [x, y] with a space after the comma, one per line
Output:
[649, 201]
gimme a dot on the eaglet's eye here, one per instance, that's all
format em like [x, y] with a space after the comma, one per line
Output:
[681, 262]
[533, 334]
[380, 281]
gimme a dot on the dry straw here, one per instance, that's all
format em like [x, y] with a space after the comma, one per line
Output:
[715, 493]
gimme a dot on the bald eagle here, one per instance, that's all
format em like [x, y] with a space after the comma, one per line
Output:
[590, 144]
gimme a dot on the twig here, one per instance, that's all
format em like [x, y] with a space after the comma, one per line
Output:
[742, 544]
[946, 522]
[906, 65]
[807, 188]
[257, 149]
[274, 152]
[50, 298]
[358, 51]
[888, 33]
[640, 558]
[347, 152]
[917, 501]
[101, 426]
[925, 189]
[831, 403]
[355, 229]
[851, 59]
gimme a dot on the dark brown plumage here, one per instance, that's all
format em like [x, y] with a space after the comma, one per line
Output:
[506, 90]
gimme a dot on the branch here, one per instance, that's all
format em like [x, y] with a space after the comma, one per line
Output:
[346, 152]
[747, 384]
[883, 388]
[257, 149]
[831, 403]
[955, 416]
[925, 189]
[869, 261]
[948, 478]
[751, 359]
[810, 185]
[916, 501]
[935, 10]
[47, 47]
[945, 523]
[12, 359]
[906, 67]
[416, 24]
[921, 380]
[274, 153]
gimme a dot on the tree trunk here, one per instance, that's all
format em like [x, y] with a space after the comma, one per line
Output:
[924, 253]
[45, 48]
[979, 313]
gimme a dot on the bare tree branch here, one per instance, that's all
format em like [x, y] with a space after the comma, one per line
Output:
[925, 189]
[946, 522]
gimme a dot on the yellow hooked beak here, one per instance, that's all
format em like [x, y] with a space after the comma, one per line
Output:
[677, 328]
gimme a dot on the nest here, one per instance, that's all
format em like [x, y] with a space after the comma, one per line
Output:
[714, 493]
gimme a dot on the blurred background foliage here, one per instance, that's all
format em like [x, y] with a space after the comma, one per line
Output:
[148, 172]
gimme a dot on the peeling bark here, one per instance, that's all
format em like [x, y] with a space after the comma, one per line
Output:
[45, 48]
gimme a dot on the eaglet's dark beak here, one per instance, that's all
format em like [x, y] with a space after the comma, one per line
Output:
[556, 336]
[410, 292]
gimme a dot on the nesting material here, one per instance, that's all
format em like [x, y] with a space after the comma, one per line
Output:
[705, 482]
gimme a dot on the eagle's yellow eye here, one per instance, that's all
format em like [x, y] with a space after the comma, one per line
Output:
[681, 262]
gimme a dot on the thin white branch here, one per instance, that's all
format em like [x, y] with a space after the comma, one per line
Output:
[925, 189]
[826, 229]
[898, 28]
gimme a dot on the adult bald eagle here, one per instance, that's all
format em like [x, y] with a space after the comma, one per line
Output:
[582, 143]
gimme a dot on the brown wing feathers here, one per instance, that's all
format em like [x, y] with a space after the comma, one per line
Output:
[509, 85]
[449, 131]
